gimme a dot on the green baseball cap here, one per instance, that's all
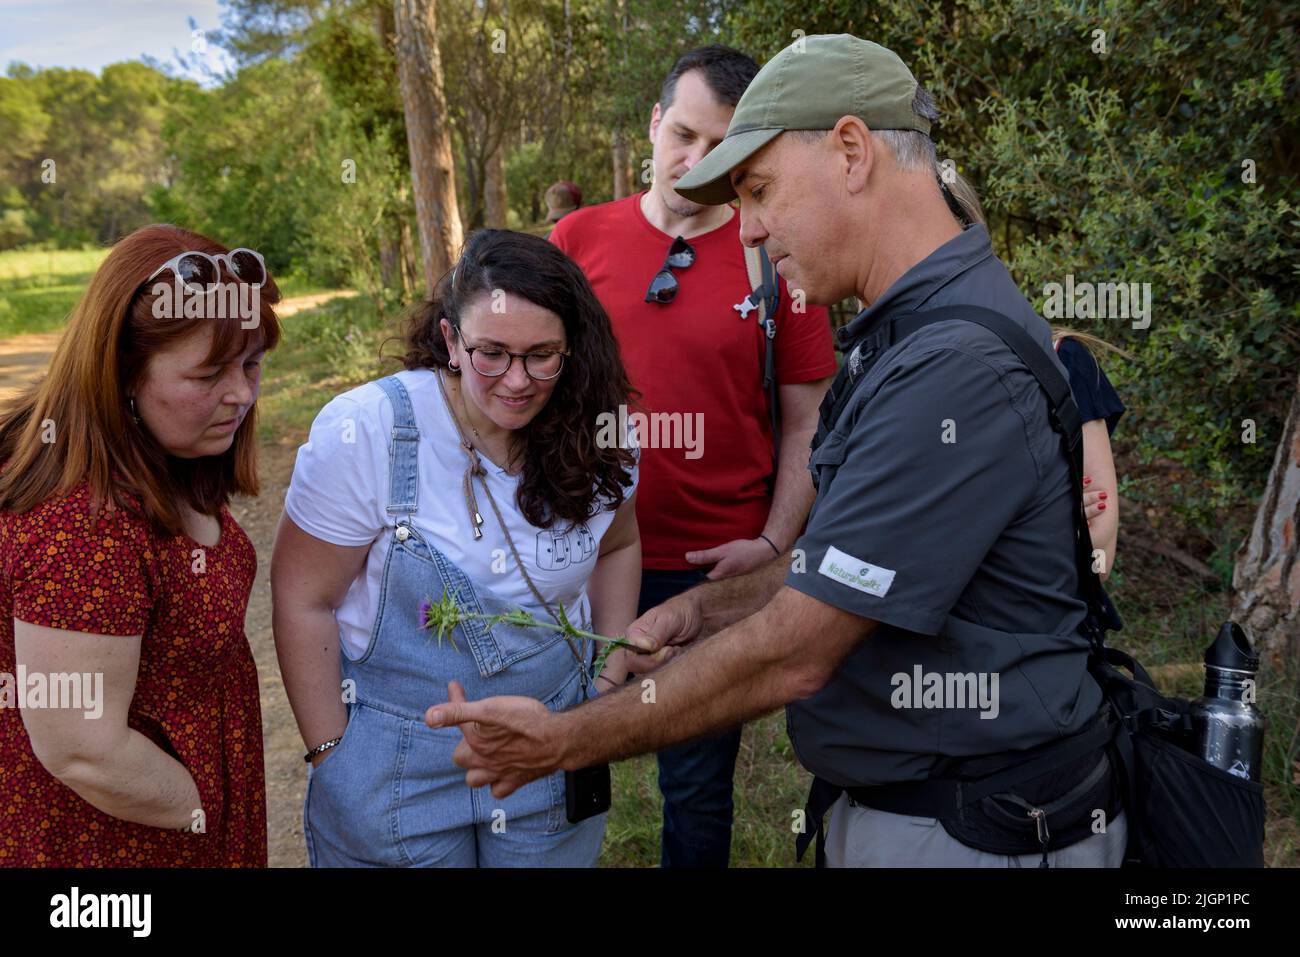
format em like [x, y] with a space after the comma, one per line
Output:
[808, 86]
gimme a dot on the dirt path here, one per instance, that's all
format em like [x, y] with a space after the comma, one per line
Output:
[24, 359]
[286, 775]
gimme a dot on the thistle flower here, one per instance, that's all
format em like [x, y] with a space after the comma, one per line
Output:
[442, 617]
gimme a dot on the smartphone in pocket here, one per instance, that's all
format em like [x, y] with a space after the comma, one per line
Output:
[586, 792]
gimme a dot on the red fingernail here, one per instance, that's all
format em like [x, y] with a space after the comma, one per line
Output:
[1087, 479]
[1101, 507]
[1101, 494]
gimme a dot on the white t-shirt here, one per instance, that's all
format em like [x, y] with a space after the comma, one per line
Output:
[339, 492]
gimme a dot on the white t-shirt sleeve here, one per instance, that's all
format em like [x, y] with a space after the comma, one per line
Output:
[339, 488]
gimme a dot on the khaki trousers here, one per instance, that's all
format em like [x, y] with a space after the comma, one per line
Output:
[865, 837]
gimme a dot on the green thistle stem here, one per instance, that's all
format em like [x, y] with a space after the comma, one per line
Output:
[442, 618]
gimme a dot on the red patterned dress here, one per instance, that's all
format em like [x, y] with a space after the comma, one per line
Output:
[196, 696]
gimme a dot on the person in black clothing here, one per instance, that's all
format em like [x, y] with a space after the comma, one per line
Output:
[1100, 409]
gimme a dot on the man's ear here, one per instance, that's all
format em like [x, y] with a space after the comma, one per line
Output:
[855, 145]
[655, 116]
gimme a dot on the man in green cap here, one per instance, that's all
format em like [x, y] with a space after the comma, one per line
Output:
[926, 630]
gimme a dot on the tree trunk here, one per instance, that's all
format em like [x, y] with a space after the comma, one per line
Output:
[620, 166]
[433, 172]
[474, 197]
[1267, 577]
[410, 267]
[494, 189]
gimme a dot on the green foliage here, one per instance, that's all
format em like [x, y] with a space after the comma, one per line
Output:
[1127, 165]
[79, 153]
[1122, 165]
[444, 616]
[325, 351]
[246, 153]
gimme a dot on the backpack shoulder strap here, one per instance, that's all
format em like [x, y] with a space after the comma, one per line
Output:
[765, 294]
[754, 267]
[1065, 419]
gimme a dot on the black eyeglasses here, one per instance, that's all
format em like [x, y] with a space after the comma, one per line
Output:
[495, 362]
[663, 287]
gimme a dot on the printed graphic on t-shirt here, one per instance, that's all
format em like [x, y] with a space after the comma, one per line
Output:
[560, 548]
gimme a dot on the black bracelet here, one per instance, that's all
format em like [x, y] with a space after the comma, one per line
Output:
[770, 542]
[321, 749]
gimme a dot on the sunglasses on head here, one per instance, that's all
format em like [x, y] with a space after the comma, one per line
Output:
[663, 287]
[198, 271]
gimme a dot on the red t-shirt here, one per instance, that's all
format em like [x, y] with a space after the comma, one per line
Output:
[697, 358]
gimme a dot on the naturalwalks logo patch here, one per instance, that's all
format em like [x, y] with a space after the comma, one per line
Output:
[856, 573]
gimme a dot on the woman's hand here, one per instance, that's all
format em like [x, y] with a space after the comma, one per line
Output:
[1094, 503]
[615, 671]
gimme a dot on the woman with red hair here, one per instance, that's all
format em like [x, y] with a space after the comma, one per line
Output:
[130, 725]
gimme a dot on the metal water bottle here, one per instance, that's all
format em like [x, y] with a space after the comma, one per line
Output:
[1228, 728]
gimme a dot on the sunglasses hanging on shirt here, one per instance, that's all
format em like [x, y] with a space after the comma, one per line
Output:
[663, 288]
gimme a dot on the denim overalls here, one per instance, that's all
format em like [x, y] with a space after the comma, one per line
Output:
[389, 794]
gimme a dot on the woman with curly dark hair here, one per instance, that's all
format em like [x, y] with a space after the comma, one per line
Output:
[478, 473]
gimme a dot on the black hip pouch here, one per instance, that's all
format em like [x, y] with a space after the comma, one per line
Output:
[1066, 805]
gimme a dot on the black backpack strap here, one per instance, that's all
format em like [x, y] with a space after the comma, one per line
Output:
[822, 795]
[1065, 419]
[769, 294]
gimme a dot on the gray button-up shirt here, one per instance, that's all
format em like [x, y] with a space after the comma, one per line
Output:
[944, 512]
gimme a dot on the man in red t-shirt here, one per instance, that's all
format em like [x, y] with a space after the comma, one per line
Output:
[707, 493]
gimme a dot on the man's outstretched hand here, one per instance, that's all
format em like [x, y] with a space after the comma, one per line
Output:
[509, 740]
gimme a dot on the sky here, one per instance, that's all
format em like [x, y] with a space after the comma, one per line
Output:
[91, 34]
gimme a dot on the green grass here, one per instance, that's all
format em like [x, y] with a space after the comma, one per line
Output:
[39, 288]
[769, 787]
[322, 352]
[295, 284]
